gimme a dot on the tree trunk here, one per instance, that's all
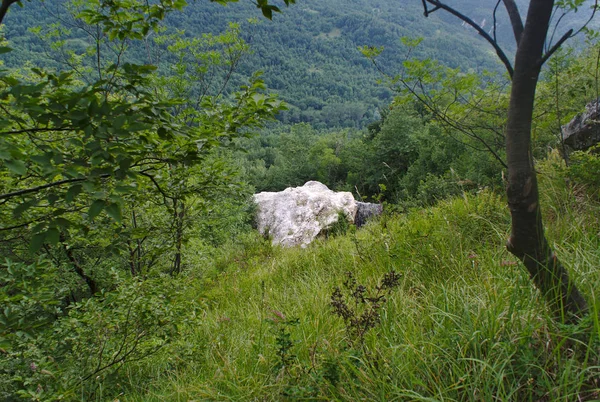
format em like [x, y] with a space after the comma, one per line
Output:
[515, 19]
[178, 216]
[527, 240]
[78, 268]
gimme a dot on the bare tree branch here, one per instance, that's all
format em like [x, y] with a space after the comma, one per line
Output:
[556, 46]
[549, 41]
[515, 18]
[495, 23]
[503, 58]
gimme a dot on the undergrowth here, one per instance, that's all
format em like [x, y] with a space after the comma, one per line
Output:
[462, 322]
[434, 309]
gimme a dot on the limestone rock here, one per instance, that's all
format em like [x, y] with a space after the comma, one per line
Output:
[297, 215]
[583, 131]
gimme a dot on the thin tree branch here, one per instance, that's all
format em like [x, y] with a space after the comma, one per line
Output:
[40, 219]
[158, 187]
[445, 119]
[36, 130]
[475, 26]
[454, 125]
[45, 186]
[495, 24]
[556, 46]
[22, 225]
[515, 19]
[594, 8]
[91, 283]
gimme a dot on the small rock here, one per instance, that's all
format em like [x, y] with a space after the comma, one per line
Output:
[364, 211]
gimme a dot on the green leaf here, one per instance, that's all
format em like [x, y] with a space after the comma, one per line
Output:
[52, 198]
[52, 236]
[267, 12]
[95, 209]
[38, 228]
[16, 166]
[37, 241]
[73, 191]
[89, 186]
[18, 211]
[125, 163]
[63, 223]
[5, 49]
[114, 211]
[44, 159]
[162, 133]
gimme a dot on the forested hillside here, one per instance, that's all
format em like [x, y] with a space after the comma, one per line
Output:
[309, 54]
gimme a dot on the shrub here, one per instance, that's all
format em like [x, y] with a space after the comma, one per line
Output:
[79, 353]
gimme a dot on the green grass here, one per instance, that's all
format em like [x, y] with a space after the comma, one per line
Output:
[464, 324]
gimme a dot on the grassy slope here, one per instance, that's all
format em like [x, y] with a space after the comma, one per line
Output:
[465, 324]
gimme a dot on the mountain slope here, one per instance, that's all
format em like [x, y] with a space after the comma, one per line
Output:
[309, 53]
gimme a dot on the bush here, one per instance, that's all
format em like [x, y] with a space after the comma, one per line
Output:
[436, 188]
[78, 352]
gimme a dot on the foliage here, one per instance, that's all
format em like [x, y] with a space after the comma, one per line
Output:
[308, 53]
[359, 307]
[125, 220]
[31, 299]
[71, 148]
[403, 151]
[340, 227]
[87, 343]
[461, 323]
[568, 84]
[106, 164]
[469, 105]
[283, 340]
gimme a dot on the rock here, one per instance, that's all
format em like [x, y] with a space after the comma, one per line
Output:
[364, 211]
[295, 216]
[583, 131]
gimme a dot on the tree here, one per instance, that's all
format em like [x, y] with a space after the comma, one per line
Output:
[87, 153]
[527, 240]
[102, 167]
[98, 134]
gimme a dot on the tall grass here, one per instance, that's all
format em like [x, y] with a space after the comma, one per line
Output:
[465, 323]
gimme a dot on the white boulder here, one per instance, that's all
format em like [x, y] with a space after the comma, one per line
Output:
[295, 216]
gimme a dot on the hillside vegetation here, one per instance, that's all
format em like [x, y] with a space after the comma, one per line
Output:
[460, 323]
[133, 135]
[309, 54]
[458, 320]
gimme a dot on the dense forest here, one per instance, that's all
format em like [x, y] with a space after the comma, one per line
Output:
[309, 55]
[133, 135]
